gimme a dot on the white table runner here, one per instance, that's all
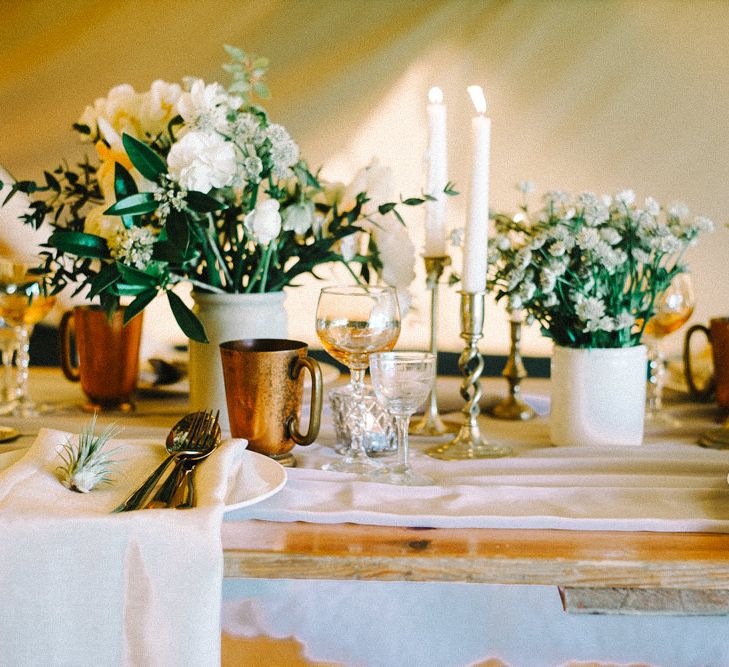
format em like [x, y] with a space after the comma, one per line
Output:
[83, 586]
[667, 484]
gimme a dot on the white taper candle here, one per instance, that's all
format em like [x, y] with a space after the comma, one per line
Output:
[475, 245]
[436, 175]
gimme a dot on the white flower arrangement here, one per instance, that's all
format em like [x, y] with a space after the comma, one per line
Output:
[589, 268]
[194, 183]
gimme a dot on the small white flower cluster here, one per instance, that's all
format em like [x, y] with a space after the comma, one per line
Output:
[170, 196]
[589, 268]
[132, 246]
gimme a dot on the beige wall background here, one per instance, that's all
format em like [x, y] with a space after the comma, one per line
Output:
[583, 95]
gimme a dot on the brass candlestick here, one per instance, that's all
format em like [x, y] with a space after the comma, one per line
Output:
[430, 424]
[717, 437]
[468, 443]
[513, 406]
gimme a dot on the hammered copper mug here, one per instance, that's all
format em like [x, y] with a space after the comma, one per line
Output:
[264, 391]
[717, 334]
[108, 356]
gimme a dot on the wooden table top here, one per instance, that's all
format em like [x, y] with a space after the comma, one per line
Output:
[579, 562]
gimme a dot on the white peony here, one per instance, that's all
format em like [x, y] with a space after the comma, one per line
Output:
[263, 223]
[202, 161]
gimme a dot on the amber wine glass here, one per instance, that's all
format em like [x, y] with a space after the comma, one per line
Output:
[673, 308]
[23, 303]
[352, 323]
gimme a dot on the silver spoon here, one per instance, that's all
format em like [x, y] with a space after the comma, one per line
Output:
[189, 466]
[178, 445]
[185, 466]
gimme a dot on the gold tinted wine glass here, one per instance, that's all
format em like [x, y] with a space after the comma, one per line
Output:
[352, 323]
[673, 308]
[23, 303]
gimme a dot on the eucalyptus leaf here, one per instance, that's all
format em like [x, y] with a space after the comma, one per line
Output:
[52, 181]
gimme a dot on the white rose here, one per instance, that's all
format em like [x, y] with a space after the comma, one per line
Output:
[298, 217]
[202, 161]
[158, 106]
[120, 111]
[263, 223]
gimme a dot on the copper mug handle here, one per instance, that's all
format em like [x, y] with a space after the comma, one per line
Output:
[292, 423]
[65, 331]
[700, 393]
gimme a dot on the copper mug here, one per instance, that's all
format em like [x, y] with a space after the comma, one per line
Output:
[717, 334]
[264, 391]
[107, 351]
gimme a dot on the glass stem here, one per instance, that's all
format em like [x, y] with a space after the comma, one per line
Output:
[402, 423]
[657, 366]
[356, 382]
[22, 361]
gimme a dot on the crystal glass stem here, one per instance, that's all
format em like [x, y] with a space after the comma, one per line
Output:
[403, 444]
[356, 382]
[24, 406]
[657, 377]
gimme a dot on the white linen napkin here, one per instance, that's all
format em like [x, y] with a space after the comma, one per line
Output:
[83, 586]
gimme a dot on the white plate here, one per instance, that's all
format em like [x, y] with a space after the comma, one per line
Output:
[146, 384]
[256, 478]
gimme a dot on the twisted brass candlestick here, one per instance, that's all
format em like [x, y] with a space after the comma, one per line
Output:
[513, 406]
[469, 444]
[430, 424]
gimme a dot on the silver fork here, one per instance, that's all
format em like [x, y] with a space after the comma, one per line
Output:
[178, 448]
[211, 441]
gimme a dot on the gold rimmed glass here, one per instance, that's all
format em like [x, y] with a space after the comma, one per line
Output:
[673, 308]
[24, 301]
[353, 322]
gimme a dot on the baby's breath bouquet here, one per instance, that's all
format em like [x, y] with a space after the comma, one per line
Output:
[588, 269]
[193, 183]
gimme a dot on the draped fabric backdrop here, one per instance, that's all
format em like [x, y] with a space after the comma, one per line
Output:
[583, 96]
